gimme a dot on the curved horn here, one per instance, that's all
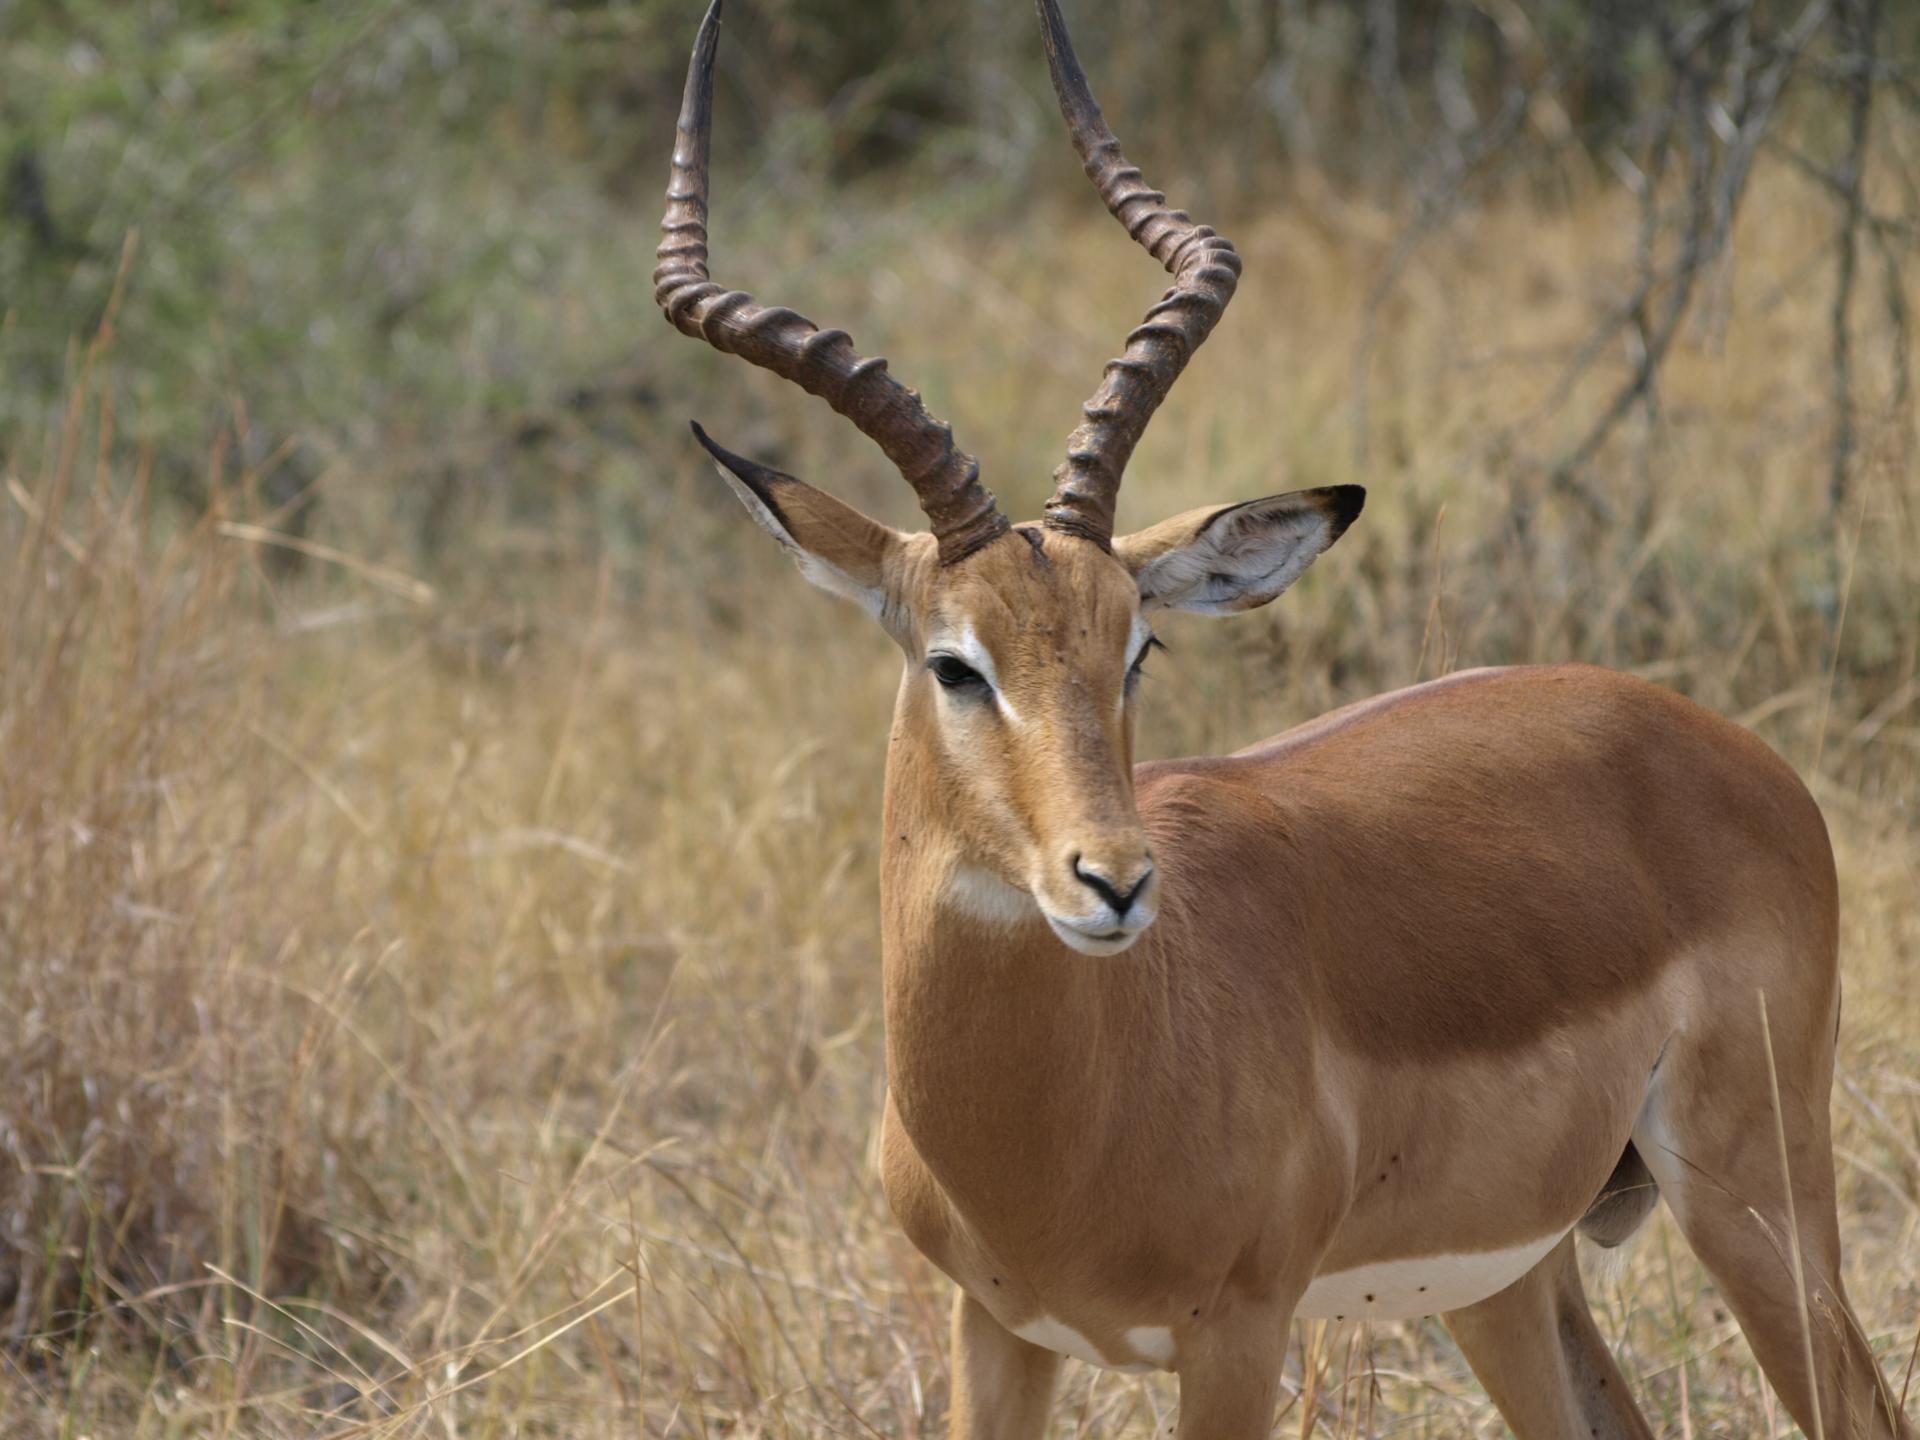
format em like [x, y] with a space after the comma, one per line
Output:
[822, 362]
[1205, 271]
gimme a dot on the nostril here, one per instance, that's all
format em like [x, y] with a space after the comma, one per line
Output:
[1126, 900]
[1120, 900]
[1097, 883]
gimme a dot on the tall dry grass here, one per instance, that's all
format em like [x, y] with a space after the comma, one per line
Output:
[453, 1011]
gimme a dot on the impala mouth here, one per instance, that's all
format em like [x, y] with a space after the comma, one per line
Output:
[984, 897]
[1098, 935]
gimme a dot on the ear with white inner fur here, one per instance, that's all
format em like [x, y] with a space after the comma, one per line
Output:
[1221, 559]
[836, 547]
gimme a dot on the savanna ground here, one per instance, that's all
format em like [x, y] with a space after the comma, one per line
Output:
[438, 939]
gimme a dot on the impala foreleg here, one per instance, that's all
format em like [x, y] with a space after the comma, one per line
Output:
[1002, 1386]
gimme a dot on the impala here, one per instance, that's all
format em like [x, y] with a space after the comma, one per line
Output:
[1364, 1022]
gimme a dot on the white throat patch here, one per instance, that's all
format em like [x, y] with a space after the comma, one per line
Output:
[981, 895]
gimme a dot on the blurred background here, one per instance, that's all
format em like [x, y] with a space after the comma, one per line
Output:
[438, 917]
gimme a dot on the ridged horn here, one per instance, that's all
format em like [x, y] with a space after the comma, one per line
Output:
[1205, 271]
[946, 479]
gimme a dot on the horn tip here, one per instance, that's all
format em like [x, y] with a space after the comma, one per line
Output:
[707, 43]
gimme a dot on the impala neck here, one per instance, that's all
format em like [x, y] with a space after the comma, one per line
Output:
[999, 1050]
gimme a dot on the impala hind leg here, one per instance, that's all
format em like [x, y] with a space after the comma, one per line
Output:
[1535, 1348]
[1002, 1386]
[1717, 1160]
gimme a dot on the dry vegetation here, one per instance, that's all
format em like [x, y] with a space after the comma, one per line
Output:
[454, 1012]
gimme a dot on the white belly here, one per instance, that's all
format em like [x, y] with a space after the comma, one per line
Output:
[1425, 1285]
[1150, 1347]
[1390, 1290]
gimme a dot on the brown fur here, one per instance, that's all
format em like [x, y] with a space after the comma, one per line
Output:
[1422, 971]
[1404, 983]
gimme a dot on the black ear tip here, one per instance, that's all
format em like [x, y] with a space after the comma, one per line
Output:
[713, 447]
[761, 479]
[1348, 502]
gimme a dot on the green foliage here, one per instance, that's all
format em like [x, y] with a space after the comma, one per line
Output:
[330, 201]
[371, 228]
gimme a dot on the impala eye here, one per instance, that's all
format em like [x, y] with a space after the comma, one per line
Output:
[1137, 669]
[955, 673]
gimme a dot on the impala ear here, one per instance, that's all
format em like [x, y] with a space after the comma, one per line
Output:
[1220, 559]
[836, 547]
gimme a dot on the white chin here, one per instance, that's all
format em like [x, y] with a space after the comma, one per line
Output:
[1111, 944]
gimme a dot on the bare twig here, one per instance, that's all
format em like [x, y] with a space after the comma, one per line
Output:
[1894, 287]
[1714, 202]
[1793, 1223]
[1881, 227]
[1383, 66]
[1860, 21]
[1695, 249]
[1437, 202]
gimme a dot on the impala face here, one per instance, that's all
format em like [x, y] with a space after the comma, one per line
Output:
[1029, 653]
[1024, 659]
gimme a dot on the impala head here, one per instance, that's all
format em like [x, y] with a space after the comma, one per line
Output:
[1023, 644]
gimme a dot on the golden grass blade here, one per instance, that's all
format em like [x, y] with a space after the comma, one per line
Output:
[1913, 1355]
[393, 581]
[334, 794]
[484, 1376]
[34, 512]
[1793, 1223]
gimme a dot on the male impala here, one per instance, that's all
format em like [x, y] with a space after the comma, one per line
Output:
[1363, 1022]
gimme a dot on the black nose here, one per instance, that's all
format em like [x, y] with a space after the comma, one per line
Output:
[1120, 900]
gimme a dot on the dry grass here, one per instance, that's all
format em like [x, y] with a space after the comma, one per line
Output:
[457, 1014]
